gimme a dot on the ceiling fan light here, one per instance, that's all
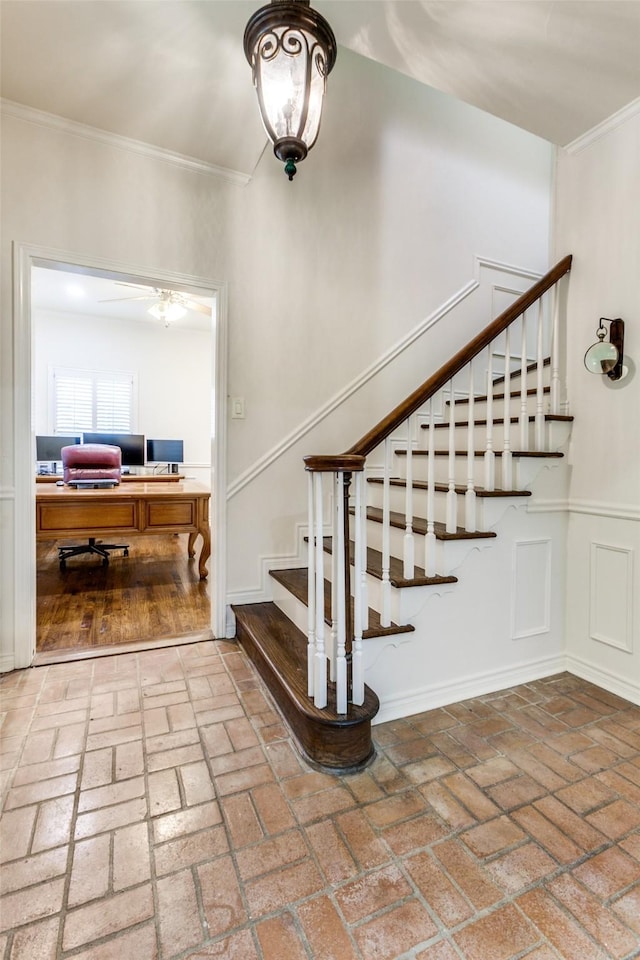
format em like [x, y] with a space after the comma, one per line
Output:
[167, 311]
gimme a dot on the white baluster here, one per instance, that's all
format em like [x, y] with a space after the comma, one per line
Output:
[452, 504]
[357, 664]
[409, 549]
[332, 645]
[311, 591]
[470, 495]
[507, 468]
[524, 406]
[341, 600]
[430, 539]
[555, 352]
[320, 670]
[385, 616]
[364, 589]
[539, 425]
[489, 455]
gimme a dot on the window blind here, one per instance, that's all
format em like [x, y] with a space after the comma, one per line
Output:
[87, 400]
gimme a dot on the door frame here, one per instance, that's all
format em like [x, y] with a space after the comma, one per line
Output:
[25, 257]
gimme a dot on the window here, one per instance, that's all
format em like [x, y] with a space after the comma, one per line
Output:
[91, 400]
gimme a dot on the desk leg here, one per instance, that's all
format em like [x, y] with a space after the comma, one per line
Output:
[205, 552]
[191, 549]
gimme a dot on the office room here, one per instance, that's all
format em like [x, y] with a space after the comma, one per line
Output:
[150, 377]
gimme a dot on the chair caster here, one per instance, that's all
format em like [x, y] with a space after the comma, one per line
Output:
[105, 562]
[63, 564]
[126, 551]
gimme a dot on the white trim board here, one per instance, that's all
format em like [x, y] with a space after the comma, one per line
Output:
[623, 511]
[612, 682]
[339, 398]
[72, 127]
[479, 685]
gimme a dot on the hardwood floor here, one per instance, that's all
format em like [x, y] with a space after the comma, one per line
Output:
[152, 594]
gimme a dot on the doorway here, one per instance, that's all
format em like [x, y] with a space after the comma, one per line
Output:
[45, 283]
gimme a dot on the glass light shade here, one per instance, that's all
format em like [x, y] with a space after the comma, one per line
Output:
[167, 310]
[291, 49]
[601, 357]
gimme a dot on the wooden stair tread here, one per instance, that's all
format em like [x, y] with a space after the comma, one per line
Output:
[480, 453]
[549, 418]
[396, 568]
[297, 582]
[279, 651]
[482, 398]
[444, 488]
[419, 525]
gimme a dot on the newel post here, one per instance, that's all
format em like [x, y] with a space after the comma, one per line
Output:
[341, 468]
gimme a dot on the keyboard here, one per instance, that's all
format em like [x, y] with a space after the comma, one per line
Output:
[92, 484]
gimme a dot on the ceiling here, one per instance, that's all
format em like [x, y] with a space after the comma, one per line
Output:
[172, 73]
[84, 294]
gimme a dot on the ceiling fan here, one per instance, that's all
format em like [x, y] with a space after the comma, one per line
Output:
[170, 304]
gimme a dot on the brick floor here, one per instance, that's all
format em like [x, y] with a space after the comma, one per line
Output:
[154, 808]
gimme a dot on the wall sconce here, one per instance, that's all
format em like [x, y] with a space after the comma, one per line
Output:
[606, 357]
[292, 50]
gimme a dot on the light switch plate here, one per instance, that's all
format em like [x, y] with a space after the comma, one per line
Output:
[237, 408]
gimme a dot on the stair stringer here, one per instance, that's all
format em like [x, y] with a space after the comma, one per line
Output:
[485, 633]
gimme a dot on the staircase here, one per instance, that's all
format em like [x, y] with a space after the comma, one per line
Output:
[394, 519]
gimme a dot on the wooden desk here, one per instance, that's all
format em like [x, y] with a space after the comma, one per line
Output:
[130, 509]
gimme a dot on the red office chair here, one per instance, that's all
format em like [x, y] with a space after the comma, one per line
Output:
[85, 462]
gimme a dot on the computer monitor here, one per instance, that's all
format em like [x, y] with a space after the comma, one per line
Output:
[48, 449]
[165, 451]
[131, 445]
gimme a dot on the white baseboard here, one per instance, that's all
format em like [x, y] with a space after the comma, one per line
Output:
[440, 695]
[612, 682]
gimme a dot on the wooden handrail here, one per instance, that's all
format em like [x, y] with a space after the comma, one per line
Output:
[392, 421]
[328, 463]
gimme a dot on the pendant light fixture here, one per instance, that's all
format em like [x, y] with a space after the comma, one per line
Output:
[291, 49]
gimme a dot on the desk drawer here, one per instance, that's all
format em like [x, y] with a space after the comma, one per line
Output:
[93, 517]
[171, 513]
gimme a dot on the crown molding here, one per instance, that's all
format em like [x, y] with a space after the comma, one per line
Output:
[603, 129]
[71, 127]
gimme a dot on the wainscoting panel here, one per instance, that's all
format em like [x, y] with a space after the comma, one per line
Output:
[611, 595]
[531, 588]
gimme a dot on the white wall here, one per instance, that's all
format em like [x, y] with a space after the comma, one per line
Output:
[405, 188]
[598, 199]
[172, 368]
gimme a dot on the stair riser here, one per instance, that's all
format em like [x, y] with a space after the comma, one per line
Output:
[461, 433]
[291, 606]
[397, 501]
[298, 612]
[449, 554]
[530, 379]
[405, 601]
[480, 408]
[488, 509]
[441, 470]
